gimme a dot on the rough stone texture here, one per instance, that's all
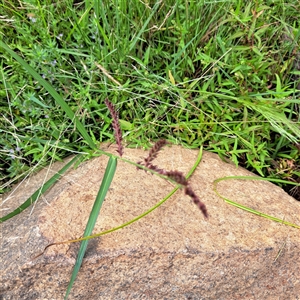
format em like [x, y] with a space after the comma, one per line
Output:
[173, 253]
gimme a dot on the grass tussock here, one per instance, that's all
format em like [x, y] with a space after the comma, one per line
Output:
[223, 74]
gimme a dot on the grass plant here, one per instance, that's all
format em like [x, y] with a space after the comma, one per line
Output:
[175, 176]
[218, 75]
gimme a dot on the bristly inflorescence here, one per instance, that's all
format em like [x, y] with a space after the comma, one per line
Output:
[152, 155]
[173, 175]
[176, 176]
[116, 125]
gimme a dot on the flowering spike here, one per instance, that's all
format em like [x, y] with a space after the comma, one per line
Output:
[154, 151]
[116, 126]
[176, 176]
[188, 191]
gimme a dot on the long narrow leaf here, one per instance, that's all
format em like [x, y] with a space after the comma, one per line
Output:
[40, 191]
[137, 37]
[138, 217]
[107, 179]
[248, 209]
[53, 93]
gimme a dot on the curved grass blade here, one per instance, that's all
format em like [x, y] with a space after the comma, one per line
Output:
[137, 37]
[258, 213]
[41, 190]
[53, 93]
[85, 238]
[107, 179]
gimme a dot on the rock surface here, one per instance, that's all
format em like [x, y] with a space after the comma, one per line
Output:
[172, 253]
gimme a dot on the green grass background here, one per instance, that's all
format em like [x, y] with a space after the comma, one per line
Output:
[222, 74]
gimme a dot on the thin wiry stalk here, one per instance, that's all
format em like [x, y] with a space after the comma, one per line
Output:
[116, 126]
[173, 175]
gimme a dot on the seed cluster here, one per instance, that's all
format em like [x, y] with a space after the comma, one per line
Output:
[176, 176]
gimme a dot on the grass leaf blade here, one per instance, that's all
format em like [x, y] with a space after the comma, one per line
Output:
[40, 191]
[107, 179]
[137, 37]
[53, 93]
[248, 209]
[190, 173]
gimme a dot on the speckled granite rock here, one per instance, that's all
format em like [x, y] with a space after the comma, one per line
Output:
[173, 253]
